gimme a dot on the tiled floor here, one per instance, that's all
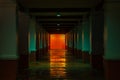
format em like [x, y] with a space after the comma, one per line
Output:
[61, 65]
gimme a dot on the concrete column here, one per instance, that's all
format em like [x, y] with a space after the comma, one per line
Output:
[79, 41]
[112, 39]
[23, 24]
[46, 40]
[75, 41]
[37, 42]
[32, 39]
[67, 41]
[41, 40]
[8, 40]
[97, 26]
[86, 39]
[70, 41]
[44, 43]
[41, 45]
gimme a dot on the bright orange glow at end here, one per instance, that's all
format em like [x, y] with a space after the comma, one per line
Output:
[57, 41]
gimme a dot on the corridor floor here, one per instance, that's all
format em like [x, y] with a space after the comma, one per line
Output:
[61, 65]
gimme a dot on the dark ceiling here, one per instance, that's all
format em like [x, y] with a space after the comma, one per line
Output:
[58, 16]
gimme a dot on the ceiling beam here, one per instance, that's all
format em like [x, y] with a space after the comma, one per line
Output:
[57, 21]
[61, 17]
[32, 10]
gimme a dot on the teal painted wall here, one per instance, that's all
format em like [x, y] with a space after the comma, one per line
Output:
[8, 32]
[86, 36]
[112, 31]
[32, 35]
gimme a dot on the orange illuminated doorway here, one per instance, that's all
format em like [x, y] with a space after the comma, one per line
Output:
[57, 41]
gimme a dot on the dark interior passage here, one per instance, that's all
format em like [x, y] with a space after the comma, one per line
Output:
[59, 40]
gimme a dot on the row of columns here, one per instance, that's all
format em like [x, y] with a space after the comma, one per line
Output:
[96, 40]
[103, 39]
[32, 41]
[20, 39]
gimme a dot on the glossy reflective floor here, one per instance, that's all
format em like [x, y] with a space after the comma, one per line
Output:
[61, 65]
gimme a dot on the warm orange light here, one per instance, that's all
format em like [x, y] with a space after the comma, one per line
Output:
[57, 41]
[58, 63]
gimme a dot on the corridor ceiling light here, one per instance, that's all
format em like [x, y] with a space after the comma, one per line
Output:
[58, 29]
[58, 14]
[58, 24]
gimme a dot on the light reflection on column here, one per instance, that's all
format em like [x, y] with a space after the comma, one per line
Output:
[57, 63]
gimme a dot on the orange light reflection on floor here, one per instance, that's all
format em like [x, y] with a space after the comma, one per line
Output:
[57, 63]
[57, 41]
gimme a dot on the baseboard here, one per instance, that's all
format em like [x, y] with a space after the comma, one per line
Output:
[8, 69]
[112, 69]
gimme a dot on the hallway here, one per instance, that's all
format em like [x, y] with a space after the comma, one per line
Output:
[61, 65]
[89, 46]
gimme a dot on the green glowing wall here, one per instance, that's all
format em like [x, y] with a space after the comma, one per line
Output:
[32, 35]
[86, 36]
